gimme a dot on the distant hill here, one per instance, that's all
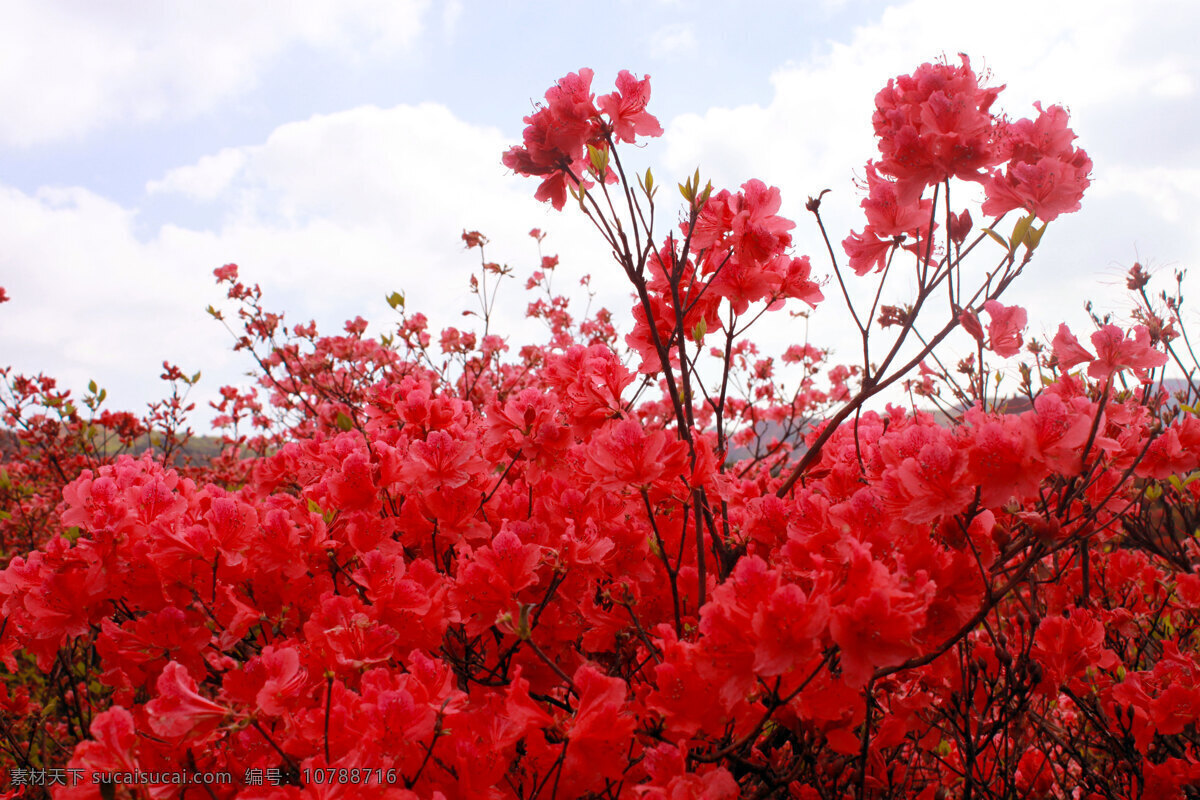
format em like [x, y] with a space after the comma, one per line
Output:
[198, 449]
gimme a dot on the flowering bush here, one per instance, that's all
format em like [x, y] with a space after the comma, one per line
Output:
[677, 570]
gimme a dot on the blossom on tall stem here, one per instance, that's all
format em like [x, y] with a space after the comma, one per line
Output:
[889, 222]
[1115, 351]
[626, 108]
[1045, 176]
[936, 124]
[1067, 349]
[1004, 329]
[558, 134]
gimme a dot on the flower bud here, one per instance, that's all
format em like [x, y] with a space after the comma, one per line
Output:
[960, 226]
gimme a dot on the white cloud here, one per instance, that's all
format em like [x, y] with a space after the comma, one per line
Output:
[1172, 192]
[368, 195]
[67, 69]
[329, 215]
[1174, 84]
[676, 40]
[91, 301]
[204, 180]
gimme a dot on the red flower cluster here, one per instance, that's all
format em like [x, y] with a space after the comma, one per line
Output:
[1114, 351]
[1046, 176]
[743, 242]
[559, 133]
[937, 124]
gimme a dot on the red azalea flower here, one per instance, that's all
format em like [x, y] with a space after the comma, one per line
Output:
[1068, 350]
[626, 108]
[1045, 175]
[180, 711]
[935, 124]
[867, 251]
[1115, 352]
[1004, 330]
[885, 215]
[627, 456]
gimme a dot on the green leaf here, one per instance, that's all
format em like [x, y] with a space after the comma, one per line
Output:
[579, 193]
[1034, 237]
[195, 378]
[1019, 231]
[649, 182]
[999, 239]
[328, 516]
[689, 189]
[92, 387]
[395, 300]
[599, 159]
[699, 331]
[343, 421]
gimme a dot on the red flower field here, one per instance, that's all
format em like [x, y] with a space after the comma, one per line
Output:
[641, 559]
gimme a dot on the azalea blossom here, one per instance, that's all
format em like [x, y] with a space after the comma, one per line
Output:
[935, 124]
[1046, 175]
[1004, 329]
[1115, 351]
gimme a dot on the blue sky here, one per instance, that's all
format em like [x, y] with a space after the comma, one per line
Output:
[336, 151]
